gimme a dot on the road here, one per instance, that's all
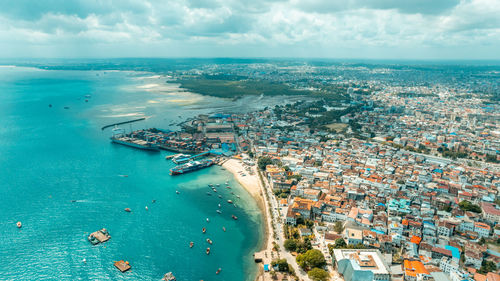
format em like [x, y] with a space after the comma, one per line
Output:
[277, 219]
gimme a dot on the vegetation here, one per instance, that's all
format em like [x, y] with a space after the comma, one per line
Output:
[311, 259]
[290, 245]
[487, 266]
[231, 86]
[468, 206]
[263, 162]
[282, 265]
[318, 274]
[339, 227]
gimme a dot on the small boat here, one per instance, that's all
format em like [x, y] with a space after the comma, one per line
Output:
[128, 210]
[219, 205]
[203, 230]
[66, 107]
[237, 196]
[146, 208]
[209, 194]
[229, 201]
[228, 187]
[234, 217]
[217, 184]
[123, 176]
[84, 260]
[208, 220]
[208, 251]
[168, 277]
[177, 192]
[191, 244]
[215, 190]
[218, 271]
[224, 229]
[220, 196]
[50, 105]
[219, 211]
[73, 201]
[86, 100]
[209, 241]
[153, 201]
[19, 224]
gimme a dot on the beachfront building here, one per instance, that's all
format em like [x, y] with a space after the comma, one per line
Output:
[361, 265]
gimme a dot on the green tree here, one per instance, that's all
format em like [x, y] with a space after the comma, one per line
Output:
[340, 243]
[487, 266]
[263, 162]
[468, 206]
[339, 227]
[311, 259]
[290, 245]
[318, 274]
[282, 265]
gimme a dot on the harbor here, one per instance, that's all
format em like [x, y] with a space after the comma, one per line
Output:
[102, 180]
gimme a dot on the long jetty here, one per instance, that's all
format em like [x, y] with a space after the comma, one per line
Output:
[124, 122]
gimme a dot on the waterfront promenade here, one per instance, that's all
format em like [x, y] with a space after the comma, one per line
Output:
[273, 218]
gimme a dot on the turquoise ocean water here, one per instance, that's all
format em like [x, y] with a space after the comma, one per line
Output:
[51, 156]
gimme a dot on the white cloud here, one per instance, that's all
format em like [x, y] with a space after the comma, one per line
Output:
[352, 28]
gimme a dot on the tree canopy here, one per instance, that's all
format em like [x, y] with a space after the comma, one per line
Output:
[468, 206]
[263, 162]
[311, 259]
[318, 274]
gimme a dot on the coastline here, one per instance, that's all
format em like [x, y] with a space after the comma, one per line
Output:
[252, 184]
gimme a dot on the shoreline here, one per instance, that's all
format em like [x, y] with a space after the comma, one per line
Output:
[252, 184]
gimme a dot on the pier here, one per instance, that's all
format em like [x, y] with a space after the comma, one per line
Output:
[124, 122]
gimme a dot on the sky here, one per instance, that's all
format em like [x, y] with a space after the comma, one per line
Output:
[372, 29]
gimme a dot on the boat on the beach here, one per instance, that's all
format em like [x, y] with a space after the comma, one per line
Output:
[209, 241]
[208, 251]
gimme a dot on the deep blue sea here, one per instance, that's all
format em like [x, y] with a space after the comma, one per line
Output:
[60, 176]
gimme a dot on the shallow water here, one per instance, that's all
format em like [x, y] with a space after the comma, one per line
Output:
[60, 176]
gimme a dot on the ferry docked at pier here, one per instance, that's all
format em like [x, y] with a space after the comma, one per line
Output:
[191, 167]
[120, 137]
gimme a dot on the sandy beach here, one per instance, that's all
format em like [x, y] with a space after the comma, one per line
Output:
[253, 185]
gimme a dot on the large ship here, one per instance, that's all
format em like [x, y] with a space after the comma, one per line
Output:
[190, 167]
[121, 138]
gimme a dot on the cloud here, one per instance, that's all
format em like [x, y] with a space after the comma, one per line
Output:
[355, 28]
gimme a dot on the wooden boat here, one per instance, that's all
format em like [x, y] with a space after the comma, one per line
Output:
[209, 241]
[230, 201]
[19, 224]
[234, 217]
[218, 271]
[128, 210]
[191, 244]
[208, 251]
[204, 230]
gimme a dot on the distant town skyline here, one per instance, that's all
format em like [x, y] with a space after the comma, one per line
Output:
[372, 29]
